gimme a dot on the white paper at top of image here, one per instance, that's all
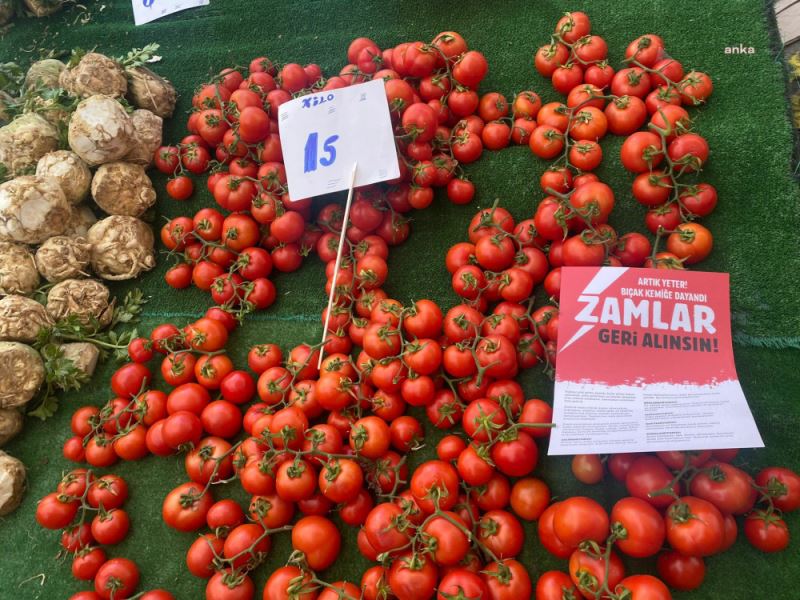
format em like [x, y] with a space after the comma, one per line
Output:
[324, 134]
[145, 11]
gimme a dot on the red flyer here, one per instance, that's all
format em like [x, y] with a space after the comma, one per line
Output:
[645, 363]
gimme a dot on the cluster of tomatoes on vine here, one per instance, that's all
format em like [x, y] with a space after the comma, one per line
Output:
[232, 250]
[444, 526]
[689, 500]
[651, 90]
[89, 511]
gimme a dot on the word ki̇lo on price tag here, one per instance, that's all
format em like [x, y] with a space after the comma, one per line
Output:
[324, 134]
[645, 363]
[145, 11]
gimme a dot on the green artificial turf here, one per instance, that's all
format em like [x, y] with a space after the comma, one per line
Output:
[756, 224]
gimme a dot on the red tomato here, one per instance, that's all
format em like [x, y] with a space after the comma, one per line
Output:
[694, 526]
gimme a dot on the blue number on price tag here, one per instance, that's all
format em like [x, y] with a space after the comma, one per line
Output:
[148, 3]
[312, 143]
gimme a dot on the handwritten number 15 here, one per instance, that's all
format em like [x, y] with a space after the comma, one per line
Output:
[311, 150]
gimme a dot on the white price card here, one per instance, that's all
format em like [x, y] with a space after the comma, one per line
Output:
[145, 11]
[324, 134]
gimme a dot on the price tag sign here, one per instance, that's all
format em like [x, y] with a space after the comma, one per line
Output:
[145, 11]
[324, 134]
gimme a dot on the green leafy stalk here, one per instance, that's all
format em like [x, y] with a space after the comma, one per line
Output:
[140, 56]
[61, 373]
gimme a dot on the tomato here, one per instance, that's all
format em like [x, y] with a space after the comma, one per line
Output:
[180, 187]
[681, 572]
[287, 428]
[76, 538]
[599, 74]
[206, 335]
[593, 201]
[515, 457]
[289, 582]
[496, 135]
[646, 50]
[766, 532]
[546, 142]
[641, 152]
[55, 511]
[270, 510]
[661, 98]
[631, 81]
[699, 200]
[648, 474]
[185, 507]
[643, 587]
[412, 577]
[588, 123]
[382, 528]
[226, 586]
[211, 370]
[74, 483]
[191, 397]
[179, 277]
[694, 526]
[340, 590]
[493, 106]
[264, 356]
[578, 519]
[224, 516]
[246, 544]
[688, 152]
[653, 188]
[370, 437]
[632, 249]
[497, 356]
[727, 487]
[295, 480]
[672, 121]
[448, 542]
[111, 527]
[695, 88]
[550, 56]
[439, 476]
[591, 48]
[690, 242]
[117, 578]
[643, 525]
[501, 532]
[589, 573]
[209, 460]
[462, 583]
[667, 216]
[340, 480]
[130, 379]
[470, 69]
[87, 562]
[587, 468]
[166, 159]
[585, 155]
[580, 252]
[108, 491]
[516, 585]
[157, 595]
[782, 485]
[555, 585]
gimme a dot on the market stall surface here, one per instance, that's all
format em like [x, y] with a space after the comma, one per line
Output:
[755, 225]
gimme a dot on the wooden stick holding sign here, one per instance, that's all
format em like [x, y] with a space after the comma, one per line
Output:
[339, 251]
